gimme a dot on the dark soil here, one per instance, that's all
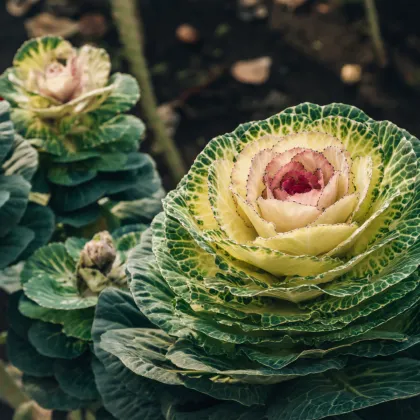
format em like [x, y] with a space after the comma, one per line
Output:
[308, 49]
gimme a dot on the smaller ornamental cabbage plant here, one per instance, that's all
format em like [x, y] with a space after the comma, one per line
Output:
[51, 318]
[66, 99]
[282, 277]
[24, 226]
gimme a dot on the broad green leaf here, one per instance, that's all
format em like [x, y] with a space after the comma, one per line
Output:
[76, 323]
[52, 259]
[119, 128]
[125, 394]
[72, 175]
[363, 384]
[74, 247]
[49, 341]
[80, 218]
[17, 322]
[123, 96]
[13, 244]
[12, 211]
[25, 357]
[50, 292]
[49, 278]
[182, 404]
[48, 394]
[75, 377]
[39, 220]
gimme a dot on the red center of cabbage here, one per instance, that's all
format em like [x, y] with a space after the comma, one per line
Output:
[298, 182]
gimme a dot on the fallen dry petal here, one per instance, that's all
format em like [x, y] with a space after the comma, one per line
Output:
[48, 24]
[255, 72]
[19, 8]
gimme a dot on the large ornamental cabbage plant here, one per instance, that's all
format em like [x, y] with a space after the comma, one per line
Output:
[281, 281]
[65, 99]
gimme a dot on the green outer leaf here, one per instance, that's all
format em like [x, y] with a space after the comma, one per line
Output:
[126, 242]
[6, 130]
[71, 176]
[142, 351]
[13, 210]
[75, 377]
[360, 385]
[42, 222]
[124, 394]
[47, 393]
[123, 97]
[51, 342]
[118, 128]
[407, 409]
[177, 405]
[25, 357]
[13, 244]
[51, 259]
[17, 322]
[49, 278]
[148, 182]
[49, 292]
[76, 323]
[74, 247]
[80, 218]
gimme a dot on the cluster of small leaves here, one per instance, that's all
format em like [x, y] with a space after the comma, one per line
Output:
[50, 323]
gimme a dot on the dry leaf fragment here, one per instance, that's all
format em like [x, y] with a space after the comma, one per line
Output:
[48, 24]
[19, 7]
[255, 72]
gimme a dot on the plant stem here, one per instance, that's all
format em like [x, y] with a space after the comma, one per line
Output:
[128, 20]
[375, 32]
[10, 392]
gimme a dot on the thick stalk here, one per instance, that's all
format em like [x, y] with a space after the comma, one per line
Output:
[375, 32]
[128, 20]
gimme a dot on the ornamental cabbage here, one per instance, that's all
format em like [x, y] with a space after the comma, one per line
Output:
[51, 318]
[283, 272]
[65, 99]
[50, 79]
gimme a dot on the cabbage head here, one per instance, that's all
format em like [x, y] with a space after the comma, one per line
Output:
[283, 272]
[53, 84]
[66, 101]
